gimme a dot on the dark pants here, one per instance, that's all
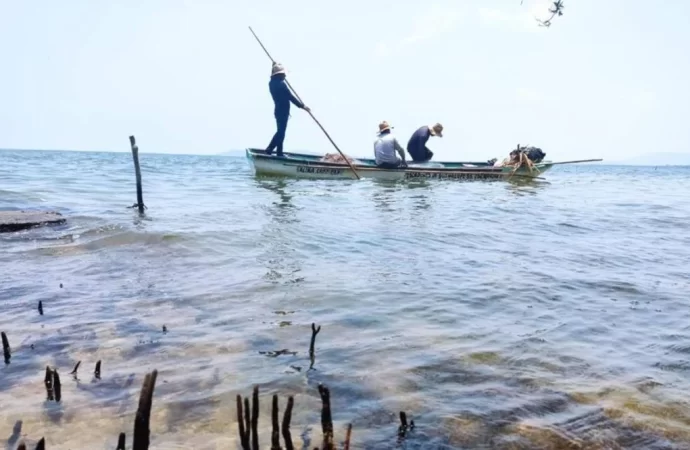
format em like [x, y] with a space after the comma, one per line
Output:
[420, 155]
[279, 137]
[386, 165]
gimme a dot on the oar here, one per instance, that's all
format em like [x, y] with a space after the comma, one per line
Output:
[310, 113]
[570, 162]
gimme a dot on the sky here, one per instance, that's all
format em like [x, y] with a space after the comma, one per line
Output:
[608, 79]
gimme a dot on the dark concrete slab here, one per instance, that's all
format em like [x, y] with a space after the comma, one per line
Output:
[22, 220]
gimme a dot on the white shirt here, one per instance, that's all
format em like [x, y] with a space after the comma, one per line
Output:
[385, 147]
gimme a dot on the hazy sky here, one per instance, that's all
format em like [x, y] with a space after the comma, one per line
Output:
[608, 79]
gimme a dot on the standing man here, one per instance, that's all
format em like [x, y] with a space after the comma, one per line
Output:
[416, 147]
[385, 147]
[282, 97]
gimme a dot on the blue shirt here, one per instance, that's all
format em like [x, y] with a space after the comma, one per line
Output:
[282, 97]
[416, 146]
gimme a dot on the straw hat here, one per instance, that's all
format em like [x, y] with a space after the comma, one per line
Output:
[383, 126]
[277, 68]
[436, 130]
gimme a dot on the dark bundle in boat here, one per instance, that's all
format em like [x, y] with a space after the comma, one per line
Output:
[535, 154]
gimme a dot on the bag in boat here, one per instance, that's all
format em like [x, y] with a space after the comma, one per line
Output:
[534, 154]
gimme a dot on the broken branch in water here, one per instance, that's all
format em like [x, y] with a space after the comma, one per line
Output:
[314, 331]
[76, 367]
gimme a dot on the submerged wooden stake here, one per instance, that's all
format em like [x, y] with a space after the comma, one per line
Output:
[244, 437]
[57, 386]
[41, 445]
[6, 348]
[137, 171]
[326, 418]
[348, 436]
[275, 427]
[287, 418]
[255, 418]
[48, 381]
[121, 441]
[142, 431]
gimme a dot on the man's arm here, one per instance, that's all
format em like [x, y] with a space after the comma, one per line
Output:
[399, 148]
[291, 96]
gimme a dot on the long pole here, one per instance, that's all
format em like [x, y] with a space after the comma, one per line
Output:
[572, 162]
[310, 113]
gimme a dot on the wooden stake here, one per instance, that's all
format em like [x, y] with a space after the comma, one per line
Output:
[255, 418]
[275, 426]
[121, 441]
[142, 431]
[57, 386]
[137, 171]
[6, 348]
[287, 418]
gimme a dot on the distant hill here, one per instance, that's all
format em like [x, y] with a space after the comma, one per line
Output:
[658, 159]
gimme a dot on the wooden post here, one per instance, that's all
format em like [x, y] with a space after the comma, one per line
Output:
[137, 171]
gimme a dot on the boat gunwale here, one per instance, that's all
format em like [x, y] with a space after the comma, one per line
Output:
[488, 170]
[254, 153]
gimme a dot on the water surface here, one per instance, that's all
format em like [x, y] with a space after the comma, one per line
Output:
[496, 315]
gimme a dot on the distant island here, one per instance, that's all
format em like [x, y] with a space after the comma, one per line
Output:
[233, 153]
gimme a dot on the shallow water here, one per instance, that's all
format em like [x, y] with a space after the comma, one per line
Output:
[496, 315]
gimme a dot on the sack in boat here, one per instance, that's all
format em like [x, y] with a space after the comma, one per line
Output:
[336, 158]
[534, 154]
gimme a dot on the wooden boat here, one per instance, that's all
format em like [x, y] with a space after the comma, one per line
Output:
[300, 165]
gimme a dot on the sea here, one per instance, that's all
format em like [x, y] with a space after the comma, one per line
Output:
[552, 314]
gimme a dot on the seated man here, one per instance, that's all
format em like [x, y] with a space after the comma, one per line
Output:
[385, 147]
[416, 147]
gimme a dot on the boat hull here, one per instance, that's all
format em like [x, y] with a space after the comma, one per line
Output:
[309, 167]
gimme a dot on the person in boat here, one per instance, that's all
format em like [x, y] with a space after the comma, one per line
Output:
[282, 97]
[416, 146]
[385, 147]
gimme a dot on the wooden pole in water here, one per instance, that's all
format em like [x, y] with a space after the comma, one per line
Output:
[137, 172]
[310, 113]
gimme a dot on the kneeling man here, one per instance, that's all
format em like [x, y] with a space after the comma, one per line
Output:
[416, 146]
